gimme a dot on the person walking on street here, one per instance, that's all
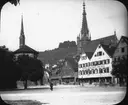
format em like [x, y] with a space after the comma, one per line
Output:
[51, 86]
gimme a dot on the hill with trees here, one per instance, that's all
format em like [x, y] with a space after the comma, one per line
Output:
[67, 48]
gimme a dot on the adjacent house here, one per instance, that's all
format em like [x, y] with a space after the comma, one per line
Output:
[121, 49]
[121, 55]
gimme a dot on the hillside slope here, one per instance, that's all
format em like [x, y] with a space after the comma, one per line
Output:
[52, 56]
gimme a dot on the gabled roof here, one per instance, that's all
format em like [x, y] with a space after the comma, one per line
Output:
[92, 45]
[89, 54]
[125, 39]
[25, 49]
[109, 49]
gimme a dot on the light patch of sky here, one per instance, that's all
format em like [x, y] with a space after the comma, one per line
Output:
[48, 22]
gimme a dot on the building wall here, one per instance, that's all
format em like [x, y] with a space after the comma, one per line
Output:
[81, 64]
[29, 54]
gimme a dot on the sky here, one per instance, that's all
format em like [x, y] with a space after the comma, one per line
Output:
[49, 22]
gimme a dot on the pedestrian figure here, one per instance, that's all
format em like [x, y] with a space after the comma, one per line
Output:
[51, 86]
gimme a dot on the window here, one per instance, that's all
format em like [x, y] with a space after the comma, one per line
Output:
[89, 64]
[98, 62]
[83, 57]
[107, 61]
[83, 72]
[107, 69]
[100, 53]
[115, 59]
[104, 61]
[86, 71]
[79, 72]
[96, 70]
[104, 70]
[122, 49]
[100, 70]
[93, 63]
[89, 71]
[83, 65]
[93, 71]
[101, 62]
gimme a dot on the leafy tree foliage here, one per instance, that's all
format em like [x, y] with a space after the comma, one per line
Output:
[9, 70]
[31, 69]
[120, 69]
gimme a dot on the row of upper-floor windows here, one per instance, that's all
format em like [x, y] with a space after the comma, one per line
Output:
[107, 61]
[94, 71]
[118, 58]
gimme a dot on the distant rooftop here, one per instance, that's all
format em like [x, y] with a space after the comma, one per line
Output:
[25, 49]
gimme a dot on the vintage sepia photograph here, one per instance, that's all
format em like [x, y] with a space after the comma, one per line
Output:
[63, 52]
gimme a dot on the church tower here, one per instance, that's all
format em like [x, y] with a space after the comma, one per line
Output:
[22, 36]
[84, 36]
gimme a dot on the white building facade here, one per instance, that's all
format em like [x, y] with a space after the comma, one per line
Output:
[96, 69]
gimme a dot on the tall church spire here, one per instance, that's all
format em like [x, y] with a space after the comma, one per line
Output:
[22, 36]
[85, 36]
[84, 29]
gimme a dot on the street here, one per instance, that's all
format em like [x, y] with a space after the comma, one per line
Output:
[69, 95]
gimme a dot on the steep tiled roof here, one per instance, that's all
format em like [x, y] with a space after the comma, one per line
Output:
[25, 49]
[109, 49]
[89, 54]
[92, 45]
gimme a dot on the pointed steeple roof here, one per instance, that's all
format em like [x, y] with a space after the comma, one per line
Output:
[84, 29]
[22, 26]
[22, 36]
